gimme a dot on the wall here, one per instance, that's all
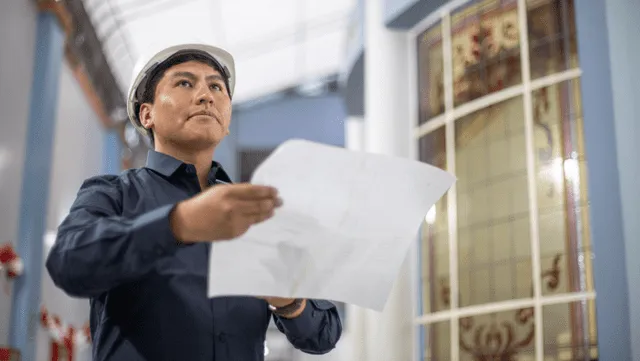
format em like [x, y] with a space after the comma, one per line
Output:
[225, 153]
[610, 100]
[266, 125]
[394, 8]
[623, 19]
[17, 41]
[318, 118]
[77, 155]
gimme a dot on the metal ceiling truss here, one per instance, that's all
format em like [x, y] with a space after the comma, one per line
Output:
[84, 53]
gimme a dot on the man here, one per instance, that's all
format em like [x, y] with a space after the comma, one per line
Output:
[138, 244]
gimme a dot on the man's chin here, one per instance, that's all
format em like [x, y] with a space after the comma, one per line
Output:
[197, 143]
[204, 143]
[198, 138]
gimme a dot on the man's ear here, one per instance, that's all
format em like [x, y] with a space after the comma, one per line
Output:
[146, 115]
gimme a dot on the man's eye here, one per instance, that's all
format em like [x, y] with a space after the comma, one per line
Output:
[184, 83]
[216, 87]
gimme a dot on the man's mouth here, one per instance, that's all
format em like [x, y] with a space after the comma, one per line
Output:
[203, 112]
[206, 113]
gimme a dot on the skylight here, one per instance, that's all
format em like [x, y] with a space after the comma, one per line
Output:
[276, 43]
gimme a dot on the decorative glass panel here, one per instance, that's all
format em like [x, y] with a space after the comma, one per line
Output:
[552, 36]
[485, 48]
[435, 235]
[494, 248]
[501, 336]
[430, 73]
[565, 249]
[437, 341]
[492, 193]
[570, 331]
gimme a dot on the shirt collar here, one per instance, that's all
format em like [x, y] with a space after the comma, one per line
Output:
[162, 163]
[168, 165]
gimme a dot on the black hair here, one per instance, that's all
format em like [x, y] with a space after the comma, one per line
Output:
[150, 82]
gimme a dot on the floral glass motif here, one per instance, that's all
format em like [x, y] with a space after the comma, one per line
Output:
[500, 336]
[430, 73]
[485, 43]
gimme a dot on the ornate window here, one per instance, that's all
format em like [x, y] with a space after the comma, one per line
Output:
[505, 256]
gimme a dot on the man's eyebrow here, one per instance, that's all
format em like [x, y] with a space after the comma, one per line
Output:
[215, 77]
[192, 77]
[184, 74]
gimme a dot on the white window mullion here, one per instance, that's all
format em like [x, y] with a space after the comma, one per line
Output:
[502, 306]
[556, 78]
[430, 126]
[531, 179]
[449, 119]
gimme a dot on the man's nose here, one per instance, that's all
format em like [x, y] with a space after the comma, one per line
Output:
[205, 96]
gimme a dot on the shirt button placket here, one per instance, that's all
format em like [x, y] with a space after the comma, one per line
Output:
[222, 350]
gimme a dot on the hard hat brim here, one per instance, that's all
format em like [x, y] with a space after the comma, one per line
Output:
[219, 55]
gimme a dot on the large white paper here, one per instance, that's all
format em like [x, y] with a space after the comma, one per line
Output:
[347, 223]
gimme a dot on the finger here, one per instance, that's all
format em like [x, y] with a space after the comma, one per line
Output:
[255, 207]
[252, 191]
[259, 218]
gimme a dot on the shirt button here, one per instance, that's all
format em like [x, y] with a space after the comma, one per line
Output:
[190, 169]
[222, 338]
[159, 251]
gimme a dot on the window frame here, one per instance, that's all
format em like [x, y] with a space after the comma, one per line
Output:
[442, 18]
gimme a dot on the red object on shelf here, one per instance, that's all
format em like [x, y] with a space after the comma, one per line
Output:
[10, 262]
[64, 338]
[9, 354]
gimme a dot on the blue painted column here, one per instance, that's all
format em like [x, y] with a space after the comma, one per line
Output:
[35, 183]
[610, 276]
[111, 148]
[623, 24]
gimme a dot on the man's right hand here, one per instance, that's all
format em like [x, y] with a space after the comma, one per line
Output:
[223, 212]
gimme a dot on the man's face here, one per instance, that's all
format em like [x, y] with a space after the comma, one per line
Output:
[191, 108]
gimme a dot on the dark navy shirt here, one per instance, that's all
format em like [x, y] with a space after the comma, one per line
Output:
[148, 292]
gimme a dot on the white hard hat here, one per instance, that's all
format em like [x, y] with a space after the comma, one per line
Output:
[146, 66]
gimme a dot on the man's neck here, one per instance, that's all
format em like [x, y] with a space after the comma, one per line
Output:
[201, 159]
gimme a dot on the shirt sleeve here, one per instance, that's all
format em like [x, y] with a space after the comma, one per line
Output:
[96, 249]
[316, 330]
